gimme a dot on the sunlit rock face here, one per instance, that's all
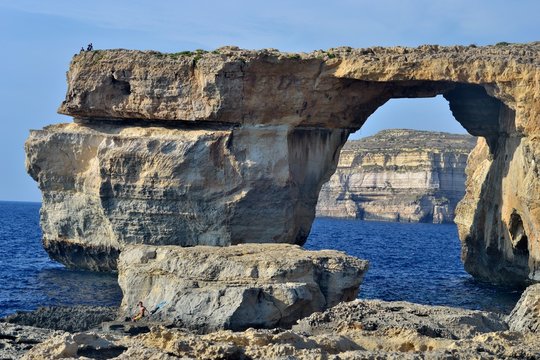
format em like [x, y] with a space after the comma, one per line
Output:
[206, 288]
[108, 185]
[398, 175]
[289, 115]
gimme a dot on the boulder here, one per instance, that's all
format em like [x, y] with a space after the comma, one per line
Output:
[526, 314]
[251, 285]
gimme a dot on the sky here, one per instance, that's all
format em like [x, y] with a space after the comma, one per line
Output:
[38, 39]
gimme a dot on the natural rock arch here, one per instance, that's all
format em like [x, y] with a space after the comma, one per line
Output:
[233, 146]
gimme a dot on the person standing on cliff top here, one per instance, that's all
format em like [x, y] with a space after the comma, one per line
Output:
[142, 312]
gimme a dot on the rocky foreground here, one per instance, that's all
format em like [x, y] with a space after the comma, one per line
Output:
[361, 329]
[398, 175]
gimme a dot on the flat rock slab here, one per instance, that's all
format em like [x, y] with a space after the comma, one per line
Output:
[16, 339]
[66, 318]
[425, 320]
[526, 313]
[250, 285]
[127, 327]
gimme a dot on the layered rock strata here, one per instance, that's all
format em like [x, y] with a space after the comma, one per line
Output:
[108, 185]
[356, 330]
[205, 288]
[526, 314]
[398, 175]
[289, 115]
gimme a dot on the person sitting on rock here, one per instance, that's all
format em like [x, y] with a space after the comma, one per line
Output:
[142, 312]
[82, 50]
[90, 47]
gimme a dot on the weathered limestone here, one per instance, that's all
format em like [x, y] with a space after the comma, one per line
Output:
[301, 106]
[355, 330]
[360, 329]
[372, 315]
[250, 285]
[17, 339]
[398, 175]
[88, 345]
[526, 314]
[108, 185]
[65, 318]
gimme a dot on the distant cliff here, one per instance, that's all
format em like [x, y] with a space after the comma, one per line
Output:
[398, 175]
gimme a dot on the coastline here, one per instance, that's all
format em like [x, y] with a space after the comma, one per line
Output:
[360, 329]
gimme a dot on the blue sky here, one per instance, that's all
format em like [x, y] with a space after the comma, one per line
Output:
[38, 39]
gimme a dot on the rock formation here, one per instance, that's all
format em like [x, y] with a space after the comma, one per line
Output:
[526, 313]
[251, 285]
[360, 329]
[355, 330]
[17, 339]
[66, 318]
[398, 175]
[244, 140]
[433, 321]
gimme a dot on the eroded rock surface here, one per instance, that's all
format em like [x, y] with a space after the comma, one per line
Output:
[89, 345]
[526, 314]
[66, 318]
[108, 185]
[257, 285]
[398, 175]
[15, 339]
[431, 321]
[290, 114]
[348, 331]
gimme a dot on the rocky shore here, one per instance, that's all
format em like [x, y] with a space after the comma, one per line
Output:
[398, 175]
[361, 329]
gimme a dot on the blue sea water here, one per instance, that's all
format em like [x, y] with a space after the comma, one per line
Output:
[29, 279]
[412, 262]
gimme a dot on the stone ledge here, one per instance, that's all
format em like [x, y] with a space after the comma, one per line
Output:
[257, 285]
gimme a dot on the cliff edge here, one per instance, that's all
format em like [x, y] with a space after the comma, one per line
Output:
[398, 175]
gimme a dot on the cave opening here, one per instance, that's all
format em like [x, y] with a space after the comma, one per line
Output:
[520, 241]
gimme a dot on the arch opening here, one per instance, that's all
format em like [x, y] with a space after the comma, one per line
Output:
[407, 175]
[471, 105]
[480, 114]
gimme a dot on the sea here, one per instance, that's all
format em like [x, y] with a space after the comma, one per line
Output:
[408, 261]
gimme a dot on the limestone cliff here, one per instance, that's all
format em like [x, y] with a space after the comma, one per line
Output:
[255, 134]
[108, 185]
[398, 175]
